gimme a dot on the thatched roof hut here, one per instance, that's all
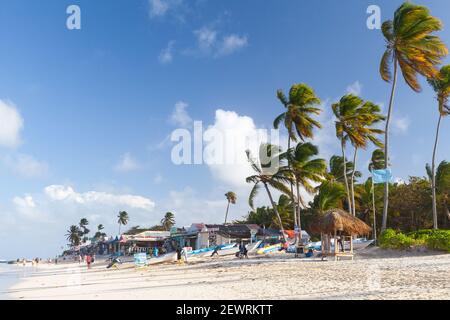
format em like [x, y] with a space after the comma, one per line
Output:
[337, 220]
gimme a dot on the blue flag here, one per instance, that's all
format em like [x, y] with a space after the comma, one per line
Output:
[382, 176]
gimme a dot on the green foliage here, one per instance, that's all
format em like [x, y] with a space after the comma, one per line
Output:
[390, 239]
[432, 239]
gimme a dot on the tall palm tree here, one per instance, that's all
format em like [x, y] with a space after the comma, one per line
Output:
[306, 170]
[355, 121]
[268, 175]
[441, 86]
[73, 235]
[376, 163]
[168, 221]
[123, 219]
[410, 45]
[231, 199]
[300, 108]
[442, 186]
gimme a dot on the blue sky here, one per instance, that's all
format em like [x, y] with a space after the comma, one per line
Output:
[88, 112]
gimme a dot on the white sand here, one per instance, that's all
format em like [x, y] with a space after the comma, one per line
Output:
[375, 274]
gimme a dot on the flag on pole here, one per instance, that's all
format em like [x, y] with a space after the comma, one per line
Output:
[382, 176]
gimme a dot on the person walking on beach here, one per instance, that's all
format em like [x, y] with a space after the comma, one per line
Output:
[88, 261]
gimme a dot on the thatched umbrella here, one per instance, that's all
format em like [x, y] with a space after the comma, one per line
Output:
[339, 221]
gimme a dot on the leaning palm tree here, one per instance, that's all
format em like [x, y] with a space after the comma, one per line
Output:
[412, 47]
[306, 170]
[73, 236]
[231, 199]
[168, 221]
[298, 118]
[441, 86]
[355, 121]
[123, 219]
[268, 175]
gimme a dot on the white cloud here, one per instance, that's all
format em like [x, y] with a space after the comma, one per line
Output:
[162, 8]
[158, 7]
[208, 42]
[206, 38]
[26, 165]
[166, 55]
[11, 124]
[127, 163]
[355, 88]
[226, 159]
[180, 116]
[400, 124]
[231, 44]
[68, 194]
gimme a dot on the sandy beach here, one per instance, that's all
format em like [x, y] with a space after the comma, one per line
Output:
[374, 274]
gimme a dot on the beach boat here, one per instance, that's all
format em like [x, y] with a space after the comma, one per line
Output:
[169, 257]
[358, 244]
[269, 249]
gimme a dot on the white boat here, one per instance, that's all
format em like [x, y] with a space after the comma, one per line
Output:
[169, 257]
[358, 244]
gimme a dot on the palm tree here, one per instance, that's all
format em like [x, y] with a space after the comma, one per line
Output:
[267, 169]
[123, 219]
[231, 199]
[355, 120]
[337, 167]
[330, 196]
[441, 86]
[442, 183]
[168, 221]
[305, 171]
[99, 234]
[83, 225]
[73, 236]
[298, 119]
[412, 47]
[376, 163]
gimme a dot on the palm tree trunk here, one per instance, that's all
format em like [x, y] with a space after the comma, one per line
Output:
[226, 214]
[353, 183]
[433, 175]
[345, 176]
[374, 212]
[299, 215]
[275, 209]
[292, 185]
[386, 147]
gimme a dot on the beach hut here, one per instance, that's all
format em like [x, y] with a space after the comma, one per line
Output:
[337, 227]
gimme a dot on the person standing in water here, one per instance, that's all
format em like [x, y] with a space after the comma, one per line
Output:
[88, 261]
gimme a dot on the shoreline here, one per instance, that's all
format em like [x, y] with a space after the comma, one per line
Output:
[375, 274]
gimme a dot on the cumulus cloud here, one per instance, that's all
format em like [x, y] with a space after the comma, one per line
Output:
[68, 194]
[209, 43]
[355, 88]
[226, 142]
[11, 124]
[180, 116]
[166, 55]
[26, 165]
[127, 163]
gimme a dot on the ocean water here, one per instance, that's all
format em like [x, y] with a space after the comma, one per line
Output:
[9, 275]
